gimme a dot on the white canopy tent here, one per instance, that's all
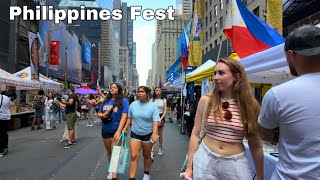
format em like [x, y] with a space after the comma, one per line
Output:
[45, 82]
[268, 66]
[12, 80]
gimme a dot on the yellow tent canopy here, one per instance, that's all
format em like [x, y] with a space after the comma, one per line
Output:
[205, 70]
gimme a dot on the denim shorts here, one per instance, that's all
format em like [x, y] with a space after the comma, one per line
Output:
[144, 138]
[107, 135]
[210, 165]
[38, 113]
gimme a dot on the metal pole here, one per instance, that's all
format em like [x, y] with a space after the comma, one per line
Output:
[65, 67]
[99, 63]
[46, 63]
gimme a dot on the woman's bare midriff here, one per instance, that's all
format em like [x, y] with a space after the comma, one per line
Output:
[223, 148]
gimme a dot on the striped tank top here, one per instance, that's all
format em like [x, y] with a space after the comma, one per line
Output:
[231, 131]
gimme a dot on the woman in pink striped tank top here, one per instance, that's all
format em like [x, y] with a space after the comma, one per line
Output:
[230, 113]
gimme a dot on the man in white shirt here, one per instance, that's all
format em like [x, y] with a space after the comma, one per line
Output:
[5, 117]
[294, 108]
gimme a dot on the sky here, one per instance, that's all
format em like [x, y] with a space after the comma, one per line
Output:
[144, 35]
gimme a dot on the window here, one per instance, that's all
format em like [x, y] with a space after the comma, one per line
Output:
[206, 5]
[207, 36]
[215, 42]
[227, 1]
[210, 46]
[210, 16]
[206, 49]
[206, 21]
[221, 38]
[215, 10]
[215, 27]
[210, 31]
[210, 2]
[221, 4]
[256, 11]
[221, 23]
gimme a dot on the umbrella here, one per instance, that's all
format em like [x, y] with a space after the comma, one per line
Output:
[85, 91]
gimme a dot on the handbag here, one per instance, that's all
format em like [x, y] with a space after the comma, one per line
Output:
[108, 119]
[119, 156]
[202, 134]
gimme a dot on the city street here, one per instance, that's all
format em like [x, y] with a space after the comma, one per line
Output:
[38, 155]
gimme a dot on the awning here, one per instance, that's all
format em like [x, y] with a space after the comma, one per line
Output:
[45, 82]
[205, 70]
[12, 80]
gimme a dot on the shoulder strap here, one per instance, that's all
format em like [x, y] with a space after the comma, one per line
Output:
[203, 120]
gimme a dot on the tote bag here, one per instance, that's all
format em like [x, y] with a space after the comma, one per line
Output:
[119, 156]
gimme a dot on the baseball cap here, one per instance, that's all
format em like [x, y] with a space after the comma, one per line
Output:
[304, 41]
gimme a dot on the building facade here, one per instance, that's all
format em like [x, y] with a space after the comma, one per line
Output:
[215, 14]
[168, 32]
[124, 63]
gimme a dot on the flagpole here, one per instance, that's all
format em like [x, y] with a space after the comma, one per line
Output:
[219, 51]
[182, 101]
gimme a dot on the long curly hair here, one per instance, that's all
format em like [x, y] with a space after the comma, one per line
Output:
[241, 91]
[118, 102]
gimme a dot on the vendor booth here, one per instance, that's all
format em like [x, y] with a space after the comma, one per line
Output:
[7, 79]
[45, 83]
[19, 113]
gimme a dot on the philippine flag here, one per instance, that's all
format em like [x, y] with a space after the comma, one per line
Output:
[184, 49]
[248, 33]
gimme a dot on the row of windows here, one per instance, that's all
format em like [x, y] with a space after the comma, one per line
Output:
[215, 30]
[215, 44]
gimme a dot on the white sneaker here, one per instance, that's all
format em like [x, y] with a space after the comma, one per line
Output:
[88, 125]
[146, 177]
[109, 176]
[160, 151]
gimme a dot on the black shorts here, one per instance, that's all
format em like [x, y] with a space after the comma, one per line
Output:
[161, 124]
[173, 105]
[107, 135]
[145, 138]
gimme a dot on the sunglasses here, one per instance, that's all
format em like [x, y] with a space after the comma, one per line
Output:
[227, 114]
[140, 91]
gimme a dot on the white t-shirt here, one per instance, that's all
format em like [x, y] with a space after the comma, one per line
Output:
[5, 113]
[294, 108]
[159, 103]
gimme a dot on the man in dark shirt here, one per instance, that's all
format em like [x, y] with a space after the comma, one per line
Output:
[71, 116]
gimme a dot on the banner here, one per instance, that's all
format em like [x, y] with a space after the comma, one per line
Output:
[54, 53]
[86, 53]
[195, 51]
[34, 56]
[274, 15]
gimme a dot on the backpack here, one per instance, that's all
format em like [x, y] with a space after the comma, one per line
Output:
[38, 103]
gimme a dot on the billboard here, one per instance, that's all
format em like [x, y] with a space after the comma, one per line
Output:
[86, 53]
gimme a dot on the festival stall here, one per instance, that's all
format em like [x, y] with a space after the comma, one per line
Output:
[46, 84]
[7, 79]
[16, 85]
[202, 72]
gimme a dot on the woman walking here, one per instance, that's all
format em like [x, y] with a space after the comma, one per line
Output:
[230, 114]
[91, 108]
[113, 112]
[50, 112]
[161, 104]
[144, 117]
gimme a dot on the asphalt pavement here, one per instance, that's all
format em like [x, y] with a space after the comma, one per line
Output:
[38, 155]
